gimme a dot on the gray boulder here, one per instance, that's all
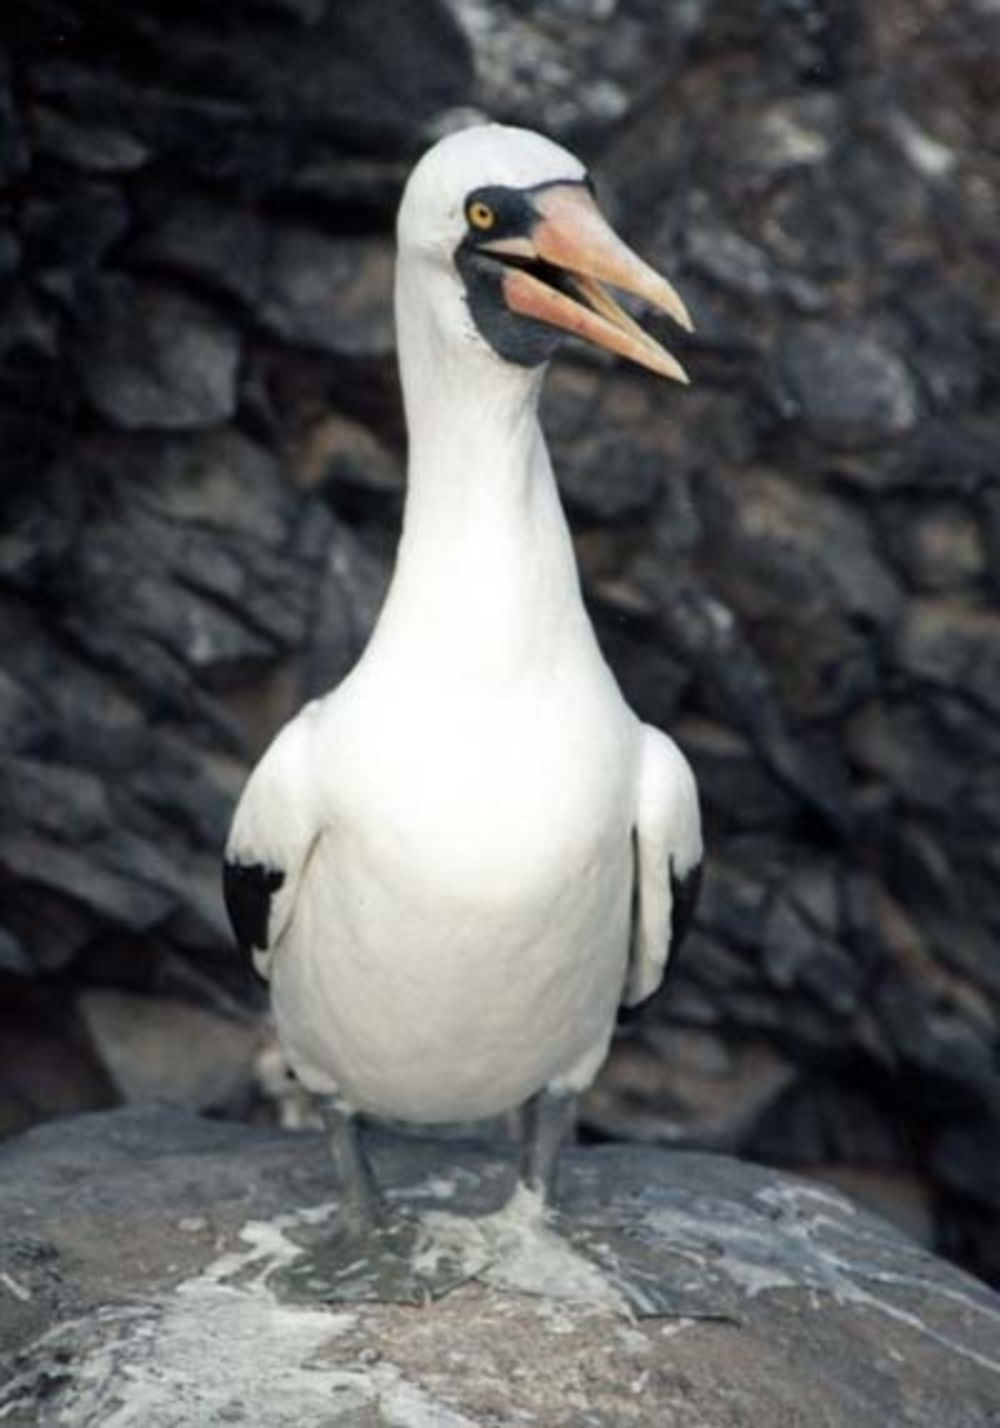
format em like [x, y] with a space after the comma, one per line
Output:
[157, 359]
[136, 1286]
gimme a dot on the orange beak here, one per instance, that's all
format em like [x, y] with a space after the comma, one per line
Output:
[573, 237]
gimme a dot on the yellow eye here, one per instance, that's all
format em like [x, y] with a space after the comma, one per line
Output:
[481, 215]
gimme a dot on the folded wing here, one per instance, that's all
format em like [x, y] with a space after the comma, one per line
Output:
[668, 853]
[274, 831]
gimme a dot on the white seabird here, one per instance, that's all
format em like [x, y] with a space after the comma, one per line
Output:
[457, 865]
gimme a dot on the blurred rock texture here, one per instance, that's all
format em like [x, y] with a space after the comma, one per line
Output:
[792, 566]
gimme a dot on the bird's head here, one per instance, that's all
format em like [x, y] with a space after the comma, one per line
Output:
[500, 229]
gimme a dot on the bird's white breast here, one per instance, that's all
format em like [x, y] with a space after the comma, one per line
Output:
[461, 935]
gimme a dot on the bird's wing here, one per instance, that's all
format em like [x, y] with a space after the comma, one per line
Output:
[274, 830]
[668, 853]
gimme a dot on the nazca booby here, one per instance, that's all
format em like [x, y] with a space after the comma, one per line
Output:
[456, 866]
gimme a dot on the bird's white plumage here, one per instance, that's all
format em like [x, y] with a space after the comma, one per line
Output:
[431, 216]
[462, 823]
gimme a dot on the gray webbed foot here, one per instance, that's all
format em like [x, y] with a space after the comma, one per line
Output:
[396, 1261]
[374, 1253]
[611, 1263]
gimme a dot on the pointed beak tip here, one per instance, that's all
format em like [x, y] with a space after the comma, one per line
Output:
[678, 374]
[674, 306]
[662, 364]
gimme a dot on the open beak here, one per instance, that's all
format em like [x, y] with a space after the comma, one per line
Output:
[557, 276]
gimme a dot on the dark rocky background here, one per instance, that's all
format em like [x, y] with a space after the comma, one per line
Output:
[793, 565]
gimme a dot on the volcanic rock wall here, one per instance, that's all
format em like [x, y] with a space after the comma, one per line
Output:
[792, 565]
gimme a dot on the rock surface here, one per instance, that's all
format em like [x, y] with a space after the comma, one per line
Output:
[164, 1049]
[792, 564]
[136, 1287]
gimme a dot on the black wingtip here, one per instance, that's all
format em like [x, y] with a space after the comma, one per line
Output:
[248, 889]
[684, 891]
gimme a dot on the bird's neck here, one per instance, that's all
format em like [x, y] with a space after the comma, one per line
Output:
[475, 445]
[485, 554]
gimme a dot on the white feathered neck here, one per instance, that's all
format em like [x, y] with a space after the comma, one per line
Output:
[485, 569]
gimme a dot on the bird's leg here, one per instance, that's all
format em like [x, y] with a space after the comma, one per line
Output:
[548, 1119]
[604, 1259]
[362, 1208]
[375, 1253]
[624, 1264]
